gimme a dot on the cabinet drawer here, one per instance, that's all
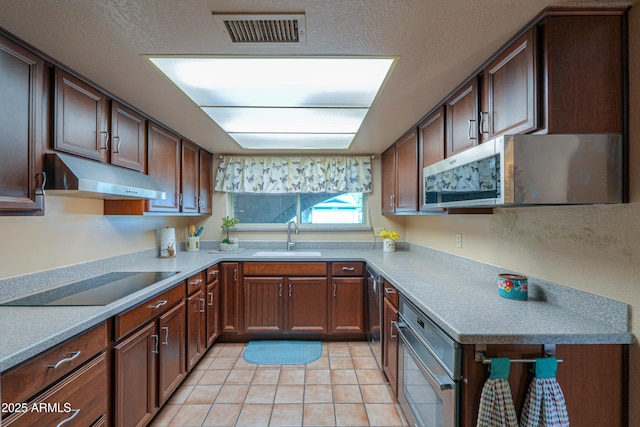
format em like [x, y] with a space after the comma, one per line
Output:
[129, 320]
[285, 268]
[391, 293]
[347, 268]
[213, 273]
[21, 383]
[195, 282]
[81, 399]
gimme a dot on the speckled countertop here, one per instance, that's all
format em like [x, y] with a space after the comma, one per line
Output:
[459, 294]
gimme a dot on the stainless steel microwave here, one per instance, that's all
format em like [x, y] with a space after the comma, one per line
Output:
[523, 170]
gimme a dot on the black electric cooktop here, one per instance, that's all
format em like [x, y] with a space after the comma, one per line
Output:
[99, 290]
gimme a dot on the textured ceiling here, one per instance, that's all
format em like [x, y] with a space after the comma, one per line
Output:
[438, 42]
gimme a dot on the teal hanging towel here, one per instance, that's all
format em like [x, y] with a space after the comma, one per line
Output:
[544, 405]
[496, 402]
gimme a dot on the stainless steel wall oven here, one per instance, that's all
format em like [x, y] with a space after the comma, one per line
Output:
[429, 364]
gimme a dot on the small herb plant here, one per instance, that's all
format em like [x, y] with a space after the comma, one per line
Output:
[228, 223]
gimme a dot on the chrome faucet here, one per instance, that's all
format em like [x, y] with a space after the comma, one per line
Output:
[291, 244]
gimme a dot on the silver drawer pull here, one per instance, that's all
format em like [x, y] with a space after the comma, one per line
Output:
[66, 420]
[74, 354]
[160, 304]
[389, 291]
[196, 282]
[348, 269]
[213, 272]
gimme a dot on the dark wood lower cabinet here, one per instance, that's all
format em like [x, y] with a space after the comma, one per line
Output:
[196, 324]
[171, 353]
[135, 377]
[307, 304]
[213, 312]
[263, 304]
[390, 344]
[347, 311]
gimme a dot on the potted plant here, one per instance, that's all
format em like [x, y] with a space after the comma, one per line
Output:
[229, 243]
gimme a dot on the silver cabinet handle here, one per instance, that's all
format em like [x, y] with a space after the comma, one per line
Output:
[393, 324]
[117, 150]
[73, 354]
[280, 292]
[166, 335]
[44, 182]
[202, 302]
[289, 290]
[180, 199]
[334, 289]
[235, 274]
[389, 291]
[470, 128]
[66, 420]
[212, 272]
[156, 338]
[196, 282]
[483, 122]
[160, 304]
[348, 269]
[210, 298]
[106, 140]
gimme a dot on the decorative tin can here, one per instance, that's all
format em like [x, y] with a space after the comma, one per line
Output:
[512, 286]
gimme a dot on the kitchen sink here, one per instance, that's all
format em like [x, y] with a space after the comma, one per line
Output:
[281, 254]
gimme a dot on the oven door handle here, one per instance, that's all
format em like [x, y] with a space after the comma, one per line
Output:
[443, 385]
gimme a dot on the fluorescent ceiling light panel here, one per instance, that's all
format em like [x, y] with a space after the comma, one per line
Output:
[309, 141]
[280, 94]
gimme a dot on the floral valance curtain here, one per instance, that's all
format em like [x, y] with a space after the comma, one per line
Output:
[320, 174]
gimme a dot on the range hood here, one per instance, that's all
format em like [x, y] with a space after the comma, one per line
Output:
[73, 176]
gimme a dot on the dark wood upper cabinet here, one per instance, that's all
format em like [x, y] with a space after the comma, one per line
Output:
[128, 138]
[206, 183]
[21, 130]
[584, 72]
[190, 182]
[164, 166]
[431, 143]
[81, 118]
[509, 96]
[400, 175]
[462, 118]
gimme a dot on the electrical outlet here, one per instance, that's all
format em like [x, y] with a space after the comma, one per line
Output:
[458, 240]
[378, 230]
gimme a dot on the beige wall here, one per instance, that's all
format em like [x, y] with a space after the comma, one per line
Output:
[591, 248]
[74, 230]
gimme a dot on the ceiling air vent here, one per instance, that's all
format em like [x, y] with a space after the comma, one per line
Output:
[262, 28]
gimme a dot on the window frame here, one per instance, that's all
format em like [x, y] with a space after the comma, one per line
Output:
[365, 226]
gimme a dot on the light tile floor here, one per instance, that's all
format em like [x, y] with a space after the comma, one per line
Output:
[344, 387]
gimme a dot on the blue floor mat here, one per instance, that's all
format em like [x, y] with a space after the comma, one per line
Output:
[282, 352]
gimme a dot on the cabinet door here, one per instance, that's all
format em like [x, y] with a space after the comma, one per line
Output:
[81, 118]
[307, 304]
[190, 181]
[231, 298]
[164, 166]
[388, 173]
[213, 312]
[196, 312]
[347, 305]
[171, 359]
[462, 118]
[128, 138]
[135, 377]
[390, 344]
[206, 182]
[263, 304]
[431, 144]
[21, 109]
[406, 199]
[509, 90]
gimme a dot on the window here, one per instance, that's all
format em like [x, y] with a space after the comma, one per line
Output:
[315, 210]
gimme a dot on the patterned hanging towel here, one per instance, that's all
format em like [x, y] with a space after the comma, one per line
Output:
[496, 403]
[544, 405]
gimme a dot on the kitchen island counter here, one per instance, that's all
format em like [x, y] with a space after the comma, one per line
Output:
[458, 294]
